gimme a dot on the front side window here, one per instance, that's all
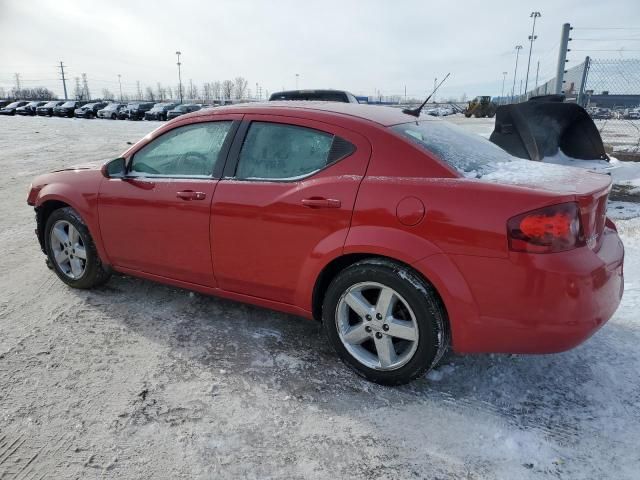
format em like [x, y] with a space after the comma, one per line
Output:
[191, 150]
[282, 152]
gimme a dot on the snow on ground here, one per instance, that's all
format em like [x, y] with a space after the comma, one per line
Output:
[140, 380]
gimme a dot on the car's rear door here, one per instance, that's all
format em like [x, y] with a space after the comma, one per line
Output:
[285, 200]
[156, 219]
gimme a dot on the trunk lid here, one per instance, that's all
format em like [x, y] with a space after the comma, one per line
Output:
[590, 189]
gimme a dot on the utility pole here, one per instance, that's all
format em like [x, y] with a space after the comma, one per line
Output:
[64, 80]
[191, 95]
[297, 78]
[405, 94]
[120, 83]
[532, 38]
[504, 77]
[515, 73]
[562, 57]
[520, 87]
[537, 73]
[179, 76]
[138, 90]
[78, 91]
[435, 82]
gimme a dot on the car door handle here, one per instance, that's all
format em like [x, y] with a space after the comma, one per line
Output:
[319, 202]
[191, 195]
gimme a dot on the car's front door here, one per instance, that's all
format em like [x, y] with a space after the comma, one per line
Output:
[156, 218]
[286, 199]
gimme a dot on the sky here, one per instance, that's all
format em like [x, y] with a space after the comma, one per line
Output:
[362, 46]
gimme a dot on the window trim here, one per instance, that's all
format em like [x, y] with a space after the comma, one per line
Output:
[217, 168]
[233, 159]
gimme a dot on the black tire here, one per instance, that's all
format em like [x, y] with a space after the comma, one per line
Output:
[433, 339]
[95, 273]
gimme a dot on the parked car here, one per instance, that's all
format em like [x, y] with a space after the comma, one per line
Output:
[318, 95]
[111, 110]
[182, 109]
[137, 110]
[4, 103]
[601, 114]
[123, 113]
[12, 107]
[90, 110]
[68, 108]
[47, 108]
[29, 108]
[159, 111]
[402, 235]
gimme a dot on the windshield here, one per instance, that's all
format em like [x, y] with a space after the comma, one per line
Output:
[88, 105]
[469, 153]
[51, 104]
[13, 105]
[33, 104]
[112, 106]
[182, 108]
[69, 104]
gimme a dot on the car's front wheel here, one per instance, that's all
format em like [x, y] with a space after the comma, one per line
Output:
[71, 250]
[385, 321]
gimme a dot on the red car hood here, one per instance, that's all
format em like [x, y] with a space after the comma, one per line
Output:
[84, 166]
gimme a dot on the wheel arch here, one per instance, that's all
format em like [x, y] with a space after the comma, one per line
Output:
[338, 264]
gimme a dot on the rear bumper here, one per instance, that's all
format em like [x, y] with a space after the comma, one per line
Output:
[542, 303]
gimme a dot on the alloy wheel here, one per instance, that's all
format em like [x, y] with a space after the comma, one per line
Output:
[377, 326]
[68, 249]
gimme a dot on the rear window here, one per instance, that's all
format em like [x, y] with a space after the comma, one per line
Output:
[469, 153]
[311, 96]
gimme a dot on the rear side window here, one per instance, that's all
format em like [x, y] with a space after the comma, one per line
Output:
[273, 151]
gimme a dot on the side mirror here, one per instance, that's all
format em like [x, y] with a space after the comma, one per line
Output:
[115, 168]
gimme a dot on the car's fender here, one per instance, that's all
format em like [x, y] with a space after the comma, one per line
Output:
[82, 200]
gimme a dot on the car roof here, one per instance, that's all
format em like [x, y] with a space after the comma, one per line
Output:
[385, 116]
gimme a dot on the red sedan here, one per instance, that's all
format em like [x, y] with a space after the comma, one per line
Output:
[403, 236]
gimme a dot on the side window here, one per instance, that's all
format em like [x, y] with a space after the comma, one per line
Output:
[191, 150]
[283, 152]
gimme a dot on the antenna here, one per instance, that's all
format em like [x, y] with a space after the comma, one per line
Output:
[416, 111]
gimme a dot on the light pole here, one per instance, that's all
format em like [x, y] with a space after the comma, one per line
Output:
[297, 78]
[120, 83]
[504, 77]
[515, 73]
[532, 37]
[179, 77]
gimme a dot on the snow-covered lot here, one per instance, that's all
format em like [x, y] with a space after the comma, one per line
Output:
[140, 380]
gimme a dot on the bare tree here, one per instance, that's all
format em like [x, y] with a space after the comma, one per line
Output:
[107, 94]
[169, 93]
[3, 94]
[162, 92]
[149, 95]
[206, 91]
[227, 89]
[240, 87]
[216, 90]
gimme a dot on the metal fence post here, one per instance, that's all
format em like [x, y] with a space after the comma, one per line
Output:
[583, 81]
[562, 56]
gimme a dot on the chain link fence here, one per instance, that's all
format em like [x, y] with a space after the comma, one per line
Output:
[609, 89]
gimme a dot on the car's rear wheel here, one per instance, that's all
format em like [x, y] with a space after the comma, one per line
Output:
[385, 321]
[71, 250]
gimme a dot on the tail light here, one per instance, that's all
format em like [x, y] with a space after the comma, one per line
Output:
[550, 229]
